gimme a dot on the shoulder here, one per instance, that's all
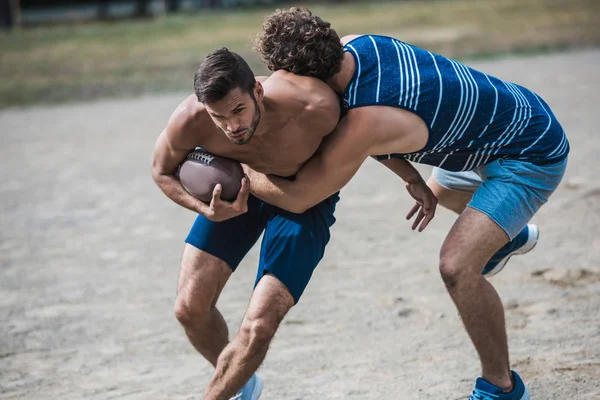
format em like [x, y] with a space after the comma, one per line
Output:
[183, 126]
[348, 38]
[310, 95]
[305, 84]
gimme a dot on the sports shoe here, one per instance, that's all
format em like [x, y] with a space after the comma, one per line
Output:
[251, 390]
[486, 391]
[523, 243]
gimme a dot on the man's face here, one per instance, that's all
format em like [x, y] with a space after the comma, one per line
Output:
[237, 115]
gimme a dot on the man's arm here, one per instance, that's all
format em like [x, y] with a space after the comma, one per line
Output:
[341, 155]
[167, 157]
[403, 169]
[426, 201]
[165, 161]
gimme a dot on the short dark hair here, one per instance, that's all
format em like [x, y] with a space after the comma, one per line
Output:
[221, 72]
[297, 41]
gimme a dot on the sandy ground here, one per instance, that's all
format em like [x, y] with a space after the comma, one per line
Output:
[90, 251]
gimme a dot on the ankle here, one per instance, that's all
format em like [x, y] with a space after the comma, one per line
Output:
[504, 382]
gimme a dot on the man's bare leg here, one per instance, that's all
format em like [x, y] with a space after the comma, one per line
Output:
[201, 281]
[471, 242]
[453, 200]
[270, 302]
[456, 200]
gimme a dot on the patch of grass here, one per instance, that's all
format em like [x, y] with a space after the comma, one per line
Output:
[93, 60]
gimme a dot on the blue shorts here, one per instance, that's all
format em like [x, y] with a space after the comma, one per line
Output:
[292, 246]
[508, 191]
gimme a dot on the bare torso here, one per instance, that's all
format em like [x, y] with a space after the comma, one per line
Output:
[299, 113]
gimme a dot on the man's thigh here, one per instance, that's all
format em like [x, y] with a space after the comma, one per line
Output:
[512, 191]
[270, 301]
[294, 244]
[472, 240]
[229, 240]
[465, 182]
[201, 279]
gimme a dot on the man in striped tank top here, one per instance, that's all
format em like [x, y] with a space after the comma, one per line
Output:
[498, 151]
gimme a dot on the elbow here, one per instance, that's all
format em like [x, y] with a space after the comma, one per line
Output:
[300, 207]
[158, 172]
[292, 205]
[156, 175]
[154, 170]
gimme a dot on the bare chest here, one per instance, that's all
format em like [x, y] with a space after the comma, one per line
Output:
[280, 151]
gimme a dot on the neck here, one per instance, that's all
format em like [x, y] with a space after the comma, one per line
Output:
[266, 113]
[340, 81]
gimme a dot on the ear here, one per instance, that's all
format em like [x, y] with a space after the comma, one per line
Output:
[259, 91]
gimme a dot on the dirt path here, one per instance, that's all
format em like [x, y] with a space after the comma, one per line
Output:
[90, 250]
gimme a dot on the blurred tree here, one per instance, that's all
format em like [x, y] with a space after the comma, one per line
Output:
[103, 9]
[172, 5]
[142, 8]
[10, 13]
[6, 20]
[214, 3]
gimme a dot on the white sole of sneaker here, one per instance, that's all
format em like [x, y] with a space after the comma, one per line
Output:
[532, 239]
[526, 394]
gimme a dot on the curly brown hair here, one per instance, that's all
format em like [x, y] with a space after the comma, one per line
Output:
[297, 41]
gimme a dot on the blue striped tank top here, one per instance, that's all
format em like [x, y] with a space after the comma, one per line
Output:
[473, 118]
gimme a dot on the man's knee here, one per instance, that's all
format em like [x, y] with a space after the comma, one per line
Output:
[201, 280]
[452, 269]
[190, 312]
[258, 332]
[270, 302]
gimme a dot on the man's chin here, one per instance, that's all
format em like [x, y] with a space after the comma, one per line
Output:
[243, 140]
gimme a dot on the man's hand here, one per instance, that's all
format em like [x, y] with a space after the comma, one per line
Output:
[221, 210]
[426, 203]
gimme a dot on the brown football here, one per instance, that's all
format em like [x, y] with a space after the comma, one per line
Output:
[200, 172]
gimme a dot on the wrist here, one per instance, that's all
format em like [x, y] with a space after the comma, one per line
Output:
[414, 180]
[201, 207]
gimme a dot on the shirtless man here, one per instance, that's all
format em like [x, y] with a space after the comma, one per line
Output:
[274, 127]
[495, 143]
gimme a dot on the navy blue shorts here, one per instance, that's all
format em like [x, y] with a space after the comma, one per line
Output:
[292, 246]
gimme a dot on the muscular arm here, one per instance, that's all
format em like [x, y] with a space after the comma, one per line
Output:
[341, 155]
[166, 159]
[343, 152]
[183, 133]
[403, 169]
[426, 201]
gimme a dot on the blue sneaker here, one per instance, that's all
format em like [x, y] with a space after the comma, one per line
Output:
[523, 243]
[486, 391]
[251, 390]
